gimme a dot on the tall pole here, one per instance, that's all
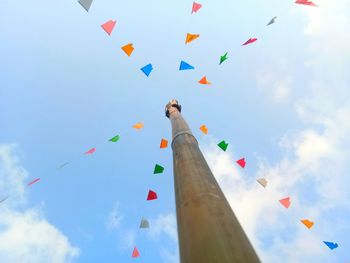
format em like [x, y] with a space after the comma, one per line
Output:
[208, 230]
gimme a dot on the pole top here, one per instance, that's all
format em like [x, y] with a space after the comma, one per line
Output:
[171, 106]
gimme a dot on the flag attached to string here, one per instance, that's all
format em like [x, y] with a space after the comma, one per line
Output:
[91, 151]
[34, 181]
[185, 66]
[191, 37]
[285, 202]
[151, 195]
[249, 41]
[204, 81]
[109, 26]
[196, 7]
[204, 129]
[128, 49]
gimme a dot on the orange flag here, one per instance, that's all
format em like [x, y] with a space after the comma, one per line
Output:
[138, 126]
[204, 129]
[204, 81]
[191, 37]
[128, 49]
[135, 253]
[163, 143]
[307, 223]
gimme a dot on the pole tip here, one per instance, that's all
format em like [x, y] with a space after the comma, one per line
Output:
[172, 104]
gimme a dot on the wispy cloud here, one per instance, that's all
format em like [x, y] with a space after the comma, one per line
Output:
[25, 235]
[114, 218]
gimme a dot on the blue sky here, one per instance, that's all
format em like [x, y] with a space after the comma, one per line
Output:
[66, 86]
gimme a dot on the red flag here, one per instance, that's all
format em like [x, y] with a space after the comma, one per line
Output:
[135, 253]
[34, 181]
[151, 195]
[108, 26]
[249, 41]
[241, 162]
[305, 2]
[196, 7]
[285, 202]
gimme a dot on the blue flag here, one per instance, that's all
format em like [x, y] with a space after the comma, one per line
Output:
[147, 69]
[185, 66]
[331, 245]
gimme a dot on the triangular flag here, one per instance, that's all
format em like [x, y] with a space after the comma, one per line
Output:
[34, 181]
[138, 126]
[223, 145]
[262, 181]
[191, 37]
[144, 223]
[241, 162]
[305, 2]
[115, 138]
[158, 169]
[185, 66]
[108, 26]
[249, 41]
[86, 4]
[285, 202]
[151, 195]
[307, 223]
[272, 21]
[163, 143]
[63, 165]
[204, 81]
[331, 245]
[204, 129]
[135, 253]
[91, 151]
[223, 58]
[4, 199]
[196, 7]
[147, 69]
[128, 49]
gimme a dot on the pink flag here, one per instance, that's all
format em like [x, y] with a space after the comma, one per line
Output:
[91, 151]
[108, 26]
[285, 202]
[196, 7]
[241, 162]
[305, 2]
[34, 181]
[249, 41]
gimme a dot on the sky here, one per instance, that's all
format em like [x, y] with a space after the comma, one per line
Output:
[282, 102]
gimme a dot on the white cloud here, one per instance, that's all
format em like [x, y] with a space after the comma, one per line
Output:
[12, 175]
[25, 235]
[164, 226]
[275, 80]
[28, 237]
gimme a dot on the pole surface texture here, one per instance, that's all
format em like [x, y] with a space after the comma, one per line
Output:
[208, 230]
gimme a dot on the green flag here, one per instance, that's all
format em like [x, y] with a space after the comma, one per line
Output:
[223, 58]
[158, 169]
[223, 145]
[115, 138]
